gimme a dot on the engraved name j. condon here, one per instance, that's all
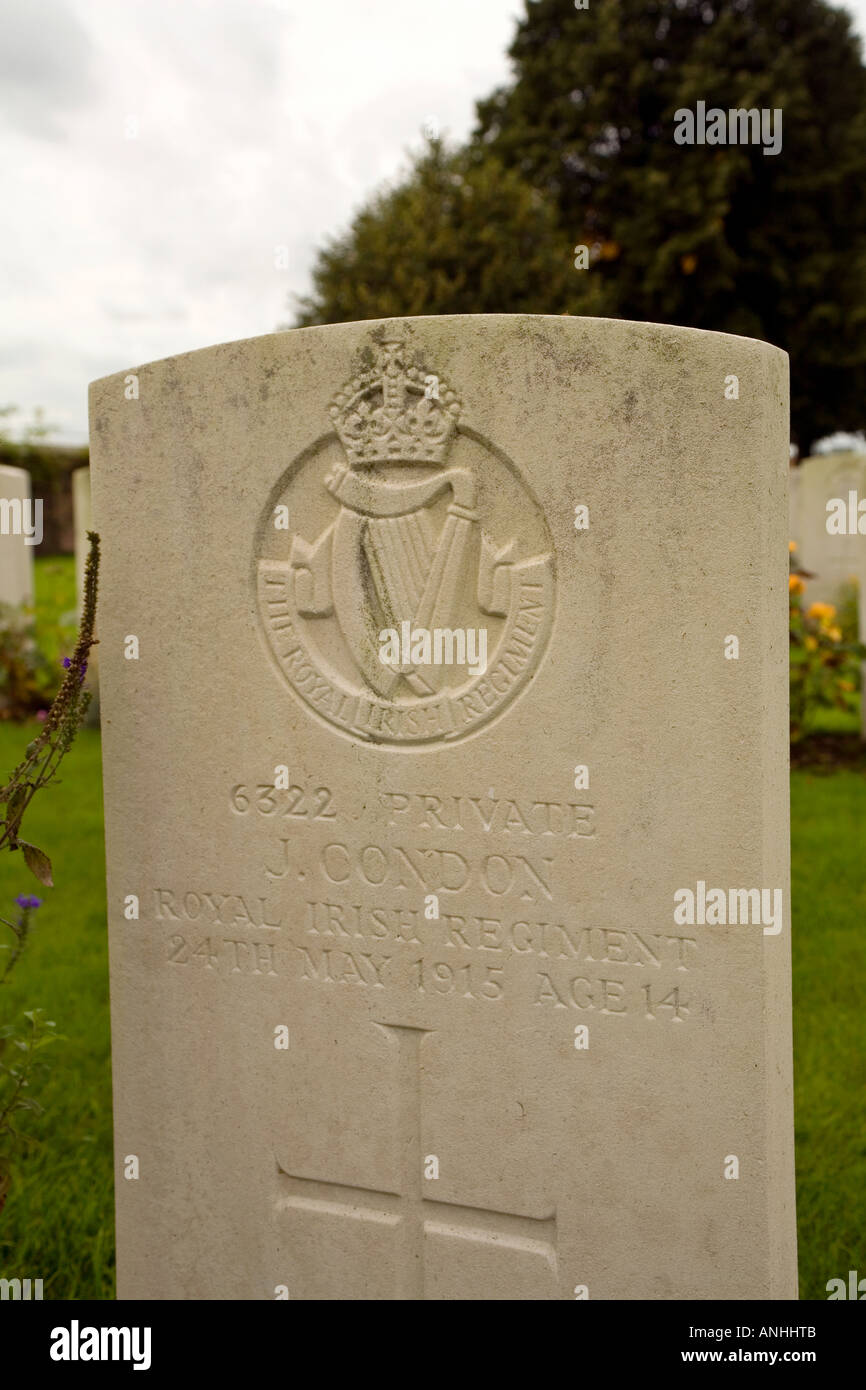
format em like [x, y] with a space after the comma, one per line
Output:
[386, 559]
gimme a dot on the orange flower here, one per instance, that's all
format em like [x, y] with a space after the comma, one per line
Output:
[821, 611]
[792, 546]
[795, 584]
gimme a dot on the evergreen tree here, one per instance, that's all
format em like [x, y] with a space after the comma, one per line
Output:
[458, 235]
[579, 149]
[721, 237]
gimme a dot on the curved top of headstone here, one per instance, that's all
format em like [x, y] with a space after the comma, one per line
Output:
[570, 323]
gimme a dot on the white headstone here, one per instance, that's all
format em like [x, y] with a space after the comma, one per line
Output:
[828, 525]
[835, 559]
[17, 517]
[449, 980]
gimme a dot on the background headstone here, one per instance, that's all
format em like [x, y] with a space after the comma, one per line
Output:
[794, 527]
[16, 557]
[401, 1007]
[834, 559]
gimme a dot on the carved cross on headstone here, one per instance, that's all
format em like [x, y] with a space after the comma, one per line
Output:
[413, 1211]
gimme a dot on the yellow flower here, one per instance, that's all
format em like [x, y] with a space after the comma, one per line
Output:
[795, 584]
[811, 644]
[835, 634]
[792, 546]
[821, 611]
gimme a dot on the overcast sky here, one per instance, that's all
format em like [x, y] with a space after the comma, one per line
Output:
[156, 152]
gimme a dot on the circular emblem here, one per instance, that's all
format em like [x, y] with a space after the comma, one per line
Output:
[404, 570]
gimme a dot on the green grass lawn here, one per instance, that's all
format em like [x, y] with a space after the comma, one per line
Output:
[58, 1221]
[55, 599]
[828, 894]
[835, 721]
[54, 583]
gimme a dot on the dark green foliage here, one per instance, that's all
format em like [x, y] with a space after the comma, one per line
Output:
[460, 235]
[719, 237]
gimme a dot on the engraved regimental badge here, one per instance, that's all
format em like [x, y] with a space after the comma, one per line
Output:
[408, 596]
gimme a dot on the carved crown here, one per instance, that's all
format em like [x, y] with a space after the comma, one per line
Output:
[394, 413]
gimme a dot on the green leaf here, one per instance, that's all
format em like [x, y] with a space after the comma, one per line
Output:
[38, 863]
[15, 809]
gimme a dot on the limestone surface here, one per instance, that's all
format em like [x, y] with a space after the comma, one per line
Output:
[449, 967]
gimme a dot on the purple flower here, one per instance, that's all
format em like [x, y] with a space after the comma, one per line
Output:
[42, 715]
[25, 900]
[66, 662]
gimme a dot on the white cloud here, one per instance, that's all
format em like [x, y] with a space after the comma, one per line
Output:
[45, 67]
[155, 155]
[260, 123]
